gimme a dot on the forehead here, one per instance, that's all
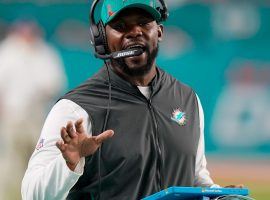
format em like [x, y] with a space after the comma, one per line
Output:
[132, 13]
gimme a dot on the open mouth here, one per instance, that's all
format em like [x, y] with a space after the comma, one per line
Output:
[135, 46]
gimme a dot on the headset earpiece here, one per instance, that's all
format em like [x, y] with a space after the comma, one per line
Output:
[102, 32]
[93, 33]
[98, 38]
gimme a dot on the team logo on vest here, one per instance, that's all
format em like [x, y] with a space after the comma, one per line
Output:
[179, 117]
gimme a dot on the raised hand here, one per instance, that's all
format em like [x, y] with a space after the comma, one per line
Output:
[76, 143]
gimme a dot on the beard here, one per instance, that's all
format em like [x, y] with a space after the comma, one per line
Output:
[139, 70]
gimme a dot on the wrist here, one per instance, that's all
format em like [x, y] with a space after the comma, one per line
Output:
[71, 166]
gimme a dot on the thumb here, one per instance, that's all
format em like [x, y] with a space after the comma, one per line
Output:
[104, 136]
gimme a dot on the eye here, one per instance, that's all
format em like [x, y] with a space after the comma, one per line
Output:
[144, 22]
[119, 26]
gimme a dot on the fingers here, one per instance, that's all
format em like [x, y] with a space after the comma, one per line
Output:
[70, 130]
[61, 145]
[64, 135]
[239, 186]
[235, 186]
[104, 136]
[79, 126]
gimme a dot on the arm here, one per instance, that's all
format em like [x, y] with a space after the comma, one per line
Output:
[47, 175]
[202, 176]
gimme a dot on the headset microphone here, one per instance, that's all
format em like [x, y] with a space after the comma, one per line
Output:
[121, 54]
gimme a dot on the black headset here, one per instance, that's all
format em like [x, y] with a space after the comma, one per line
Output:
[98, 35]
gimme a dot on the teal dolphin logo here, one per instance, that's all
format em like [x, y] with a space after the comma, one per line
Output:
[179, 117]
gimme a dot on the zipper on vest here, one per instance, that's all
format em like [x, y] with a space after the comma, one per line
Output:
[157, 144]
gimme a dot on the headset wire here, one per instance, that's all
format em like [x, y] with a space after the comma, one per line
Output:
[104, 126]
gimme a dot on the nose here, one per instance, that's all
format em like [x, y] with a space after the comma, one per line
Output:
[134, 31]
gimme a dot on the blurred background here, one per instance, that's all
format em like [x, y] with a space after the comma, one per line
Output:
[220, 48]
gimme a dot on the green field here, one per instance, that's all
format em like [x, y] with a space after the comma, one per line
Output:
[258, 191]
[253, 174]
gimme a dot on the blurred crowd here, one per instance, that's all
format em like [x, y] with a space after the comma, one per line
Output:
[31, 78]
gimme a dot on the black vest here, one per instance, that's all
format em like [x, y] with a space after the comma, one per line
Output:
[152, 148]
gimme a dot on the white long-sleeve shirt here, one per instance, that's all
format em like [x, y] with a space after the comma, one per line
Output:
[47, 175]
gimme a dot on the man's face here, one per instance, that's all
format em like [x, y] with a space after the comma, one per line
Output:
[134, 27]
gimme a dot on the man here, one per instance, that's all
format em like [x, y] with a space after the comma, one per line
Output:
[154, 128]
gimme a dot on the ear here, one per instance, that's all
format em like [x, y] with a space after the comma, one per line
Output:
[160, 32]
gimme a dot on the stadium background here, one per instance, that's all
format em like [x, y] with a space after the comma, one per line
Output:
[220, 48]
